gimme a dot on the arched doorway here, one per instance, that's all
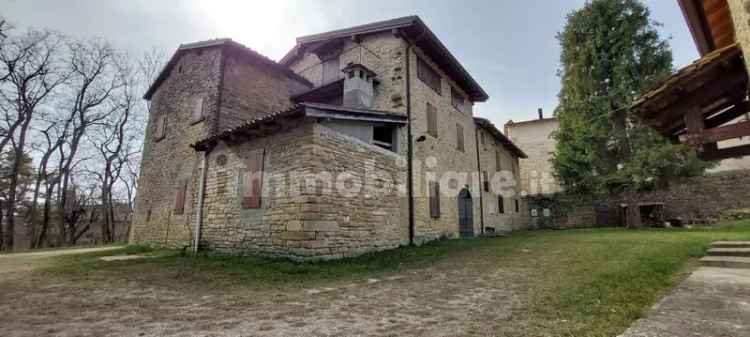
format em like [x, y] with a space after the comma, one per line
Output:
[465, 214]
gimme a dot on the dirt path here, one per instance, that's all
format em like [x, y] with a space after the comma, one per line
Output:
[473, 298]
[13, 264]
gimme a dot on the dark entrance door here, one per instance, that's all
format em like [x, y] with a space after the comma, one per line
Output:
[465, 214]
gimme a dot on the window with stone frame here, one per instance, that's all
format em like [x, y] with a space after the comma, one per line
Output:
[482, 139]
[498, 161]
[460, 137]
[486, 181]
[161, 128]
[457, 99]
[251, 182]
[500, 204]
[428, 75]
[198, 114]
[518, 207]
[434, 187]
[432, 120]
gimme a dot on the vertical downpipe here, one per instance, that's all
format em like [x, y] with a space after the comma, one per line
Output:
[410, 150]
[410, 146]
[199, 208]
[481, 183]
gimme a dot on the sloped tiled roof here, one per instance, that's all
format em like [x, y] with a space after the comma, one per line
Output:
[218, 43]
[301, 110]
[689, 72]
[487, 125]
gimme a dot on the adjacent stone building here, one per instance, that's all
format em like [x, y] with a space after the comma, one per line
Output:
[536, 138]
[358, 140]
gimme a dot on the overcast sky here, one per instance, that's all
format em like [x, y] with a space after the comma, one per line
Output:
[509, 46]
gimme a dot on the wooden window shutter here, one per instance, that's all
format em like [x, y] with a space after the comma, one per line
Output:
[429, 76]
[252, 182]
[434, 200]
[457, 100]
[460, 137]
[432, 124]
[161, 127]
[199, 110]
[179, 199]
[331, 70]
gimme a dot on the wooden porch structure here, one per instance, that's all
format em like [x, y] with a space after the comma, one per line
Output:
[702, 103]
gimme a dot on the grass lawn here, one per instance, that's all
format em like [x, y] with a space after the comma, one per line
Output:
[576, 283]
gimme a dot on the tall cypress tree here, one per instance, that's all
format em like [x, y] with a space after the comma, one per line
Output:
[611, 53]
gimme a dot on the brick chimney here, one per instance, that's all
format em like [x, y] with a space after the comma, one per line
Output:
[359, 86]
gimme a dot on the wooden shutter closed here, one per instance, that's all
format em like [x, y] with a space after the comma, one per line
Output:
[429, 76]
[179, 199]
[432, 124]
[199, 110]
[331, 70]
[434, 199]
[252, 182]
[161, 127]
[460, 137]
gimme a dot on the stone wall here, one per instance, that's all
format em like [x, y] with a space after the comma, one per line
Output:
[252, 89]
[435, 158]
[383, 53]
[248, 88]
[439, 159]
[312, 206]
[702, 198]
[740, 10]
[506, 177]
[169, 161]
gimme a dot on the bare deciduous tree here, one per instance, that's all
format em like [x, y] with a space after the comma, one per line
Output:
[33, 73]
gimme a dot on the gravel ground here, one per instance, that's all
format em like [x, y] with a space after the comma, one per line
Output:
[444, 299]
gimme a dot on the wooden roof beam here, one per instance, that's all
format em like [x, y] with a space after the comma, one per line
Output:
[706, 136]
[732, 152]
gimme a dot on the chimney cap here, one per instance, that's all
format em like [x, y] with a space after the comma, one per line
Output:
[351, 66]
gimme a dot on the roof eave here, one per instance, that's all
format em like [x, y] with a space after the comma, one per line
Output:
[476, 92]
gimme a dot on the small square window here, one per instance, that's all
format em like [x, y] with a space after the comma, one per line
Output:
[384, 136]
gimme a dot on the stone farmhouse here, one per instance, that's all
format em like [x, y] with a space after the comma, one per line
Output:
[358, 140]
